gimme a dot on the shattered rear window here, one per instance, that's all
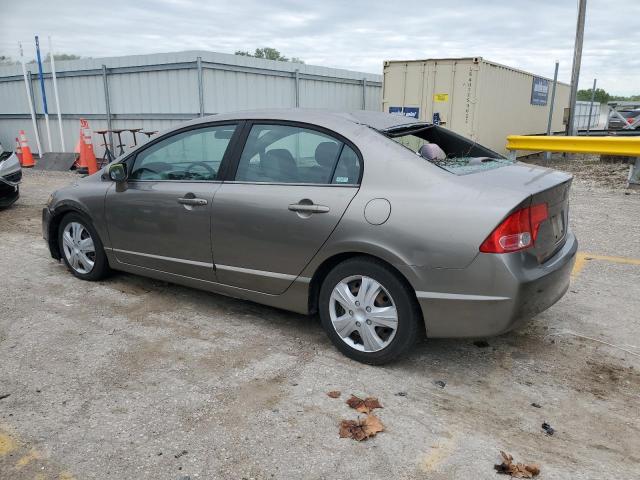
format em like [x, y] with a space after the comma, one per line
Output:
[466, 165]
[446, 149]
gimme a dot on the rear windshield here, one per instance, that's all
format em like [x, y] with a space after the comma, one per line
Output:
[447, 150]
[632, 114]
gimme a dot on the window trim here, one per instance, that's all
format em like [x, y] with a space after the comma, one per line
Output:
[130, 160]
[246, 129]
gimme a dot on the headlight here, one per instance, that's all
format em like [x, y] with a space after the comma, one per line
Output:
[9, 166]
[50, 199]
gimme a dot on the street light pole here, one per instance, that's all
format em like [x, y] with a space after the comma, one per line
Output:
[577, 59]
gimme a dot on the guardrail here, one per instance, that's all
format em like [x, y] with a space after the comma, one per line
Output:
[619, 146]
[625, 146]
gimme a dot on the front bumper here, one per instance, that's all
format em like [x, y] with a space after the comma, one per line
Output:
[10, 177]
[493, 295]
[46, 232]
[8, 194]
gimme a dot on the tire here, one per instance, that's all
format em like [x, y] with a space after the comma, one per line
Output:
[80, 267]
[369, 313]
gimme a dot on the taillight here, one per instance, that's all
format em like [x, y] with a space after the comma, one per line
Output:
[518, 231]
[630, 120]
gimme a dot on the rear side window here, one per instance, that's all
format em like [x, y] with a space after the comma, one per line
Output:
[348, 168]
[192, 155]
[291, 154]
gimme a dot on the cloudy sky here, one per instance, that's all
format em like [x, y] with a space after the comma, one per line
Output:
[355, 34]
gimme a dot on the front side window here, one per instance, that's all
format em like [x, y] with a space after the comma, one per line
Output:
[194, 155]
[289, 154]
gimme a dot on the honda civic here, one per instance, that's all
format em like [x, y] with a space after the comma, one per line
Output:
[387, 227]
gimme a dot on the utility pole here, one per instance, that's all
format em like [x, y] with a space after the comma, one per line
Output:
[577, 59]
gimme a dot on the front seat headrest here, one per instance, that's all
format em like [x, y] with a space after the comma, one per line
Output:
[278, 165]
[326, 153]
[431, 151]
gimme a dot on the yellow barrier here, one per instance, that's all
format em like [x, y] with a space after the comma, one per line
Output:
[625, 146]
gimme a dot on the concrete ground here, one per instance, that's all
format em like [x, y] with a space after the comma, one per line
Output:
[131, 378]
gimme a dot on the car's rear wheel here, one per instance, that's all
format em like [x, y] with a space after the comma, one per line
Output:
[369, 313]
[81, 248]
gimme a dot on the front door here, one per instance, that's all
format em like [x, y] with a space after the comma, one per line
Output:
[291, 187]
[162, 219]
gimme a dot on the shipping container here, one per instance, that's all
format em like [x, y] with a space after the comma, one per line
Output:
[481, 100]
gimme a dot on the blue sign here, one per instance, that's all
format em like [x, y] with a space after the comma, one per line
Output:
[412, 112]
[539, 91]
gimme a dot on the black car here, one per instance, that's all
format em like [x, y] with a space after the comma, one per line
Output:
[10, 176]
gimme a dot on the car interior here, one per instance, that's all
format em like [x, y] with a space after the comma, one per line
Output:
[446, 149]
[285, 154]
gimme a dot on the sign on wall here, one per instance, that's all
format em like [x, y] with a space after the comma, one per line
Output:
[539, 91]
[413, 112]
[441, 97]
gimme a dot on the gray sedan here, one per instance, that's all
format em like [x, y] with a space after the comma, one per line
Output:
[387, 227]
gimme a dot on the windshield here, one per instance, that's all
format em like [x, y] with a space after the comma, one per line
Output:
[447, 150]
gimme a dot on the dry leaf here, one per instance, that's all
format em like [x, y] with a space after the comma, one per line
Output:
[372, 425]
[361, 429]
[334, 394]
[516, 470]
[363, 406]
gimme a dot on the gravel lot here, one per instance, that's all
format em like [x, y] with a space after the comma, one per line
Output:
[131, 378]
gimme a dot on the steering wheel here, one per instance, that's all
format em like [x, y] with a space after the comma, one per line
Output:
[210, 170]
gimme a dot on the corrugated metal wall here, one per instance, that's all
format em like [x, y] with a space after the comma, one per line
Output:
[154, 92]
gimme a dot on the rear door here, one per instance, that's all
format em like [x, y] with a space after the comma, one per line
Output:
[161, 219]
[291, 185]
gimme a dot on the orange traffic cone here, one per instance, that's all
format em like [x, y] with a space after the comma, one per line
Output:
[18, 151]
[87, 161]
[27, 157]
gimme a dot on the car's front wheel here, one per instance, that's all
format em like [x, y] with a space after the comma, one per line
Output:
[369, 313]
[81, 248]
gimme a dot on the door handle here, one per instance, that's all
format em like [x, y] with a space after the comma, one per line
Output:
[192, 201]
[308, 208]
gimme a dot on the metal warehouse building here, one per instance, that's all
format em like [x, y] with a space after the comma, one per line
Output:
[155, 91]
[481, 100]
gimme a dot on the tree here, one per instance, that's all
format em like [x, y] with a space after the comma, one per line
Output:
[62, 56]
[268, 53]
[58, 57]
[601, 95]
[7, 60]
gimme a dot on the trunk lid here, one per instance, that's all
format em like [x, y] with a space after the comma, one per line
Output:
[553, 231]
[520, 185]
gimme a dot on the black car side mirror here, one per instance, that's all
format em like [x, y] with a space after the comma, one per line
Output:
[117, 172]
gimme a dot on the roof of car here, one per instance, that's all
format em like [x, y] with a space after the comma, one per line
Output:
[375, 120]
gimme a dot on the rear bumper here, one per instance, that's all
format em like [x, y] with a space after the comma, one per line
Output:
[494, 294]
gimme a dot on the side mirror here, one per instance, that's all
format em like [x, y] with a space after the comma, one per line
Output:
[117, 172]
